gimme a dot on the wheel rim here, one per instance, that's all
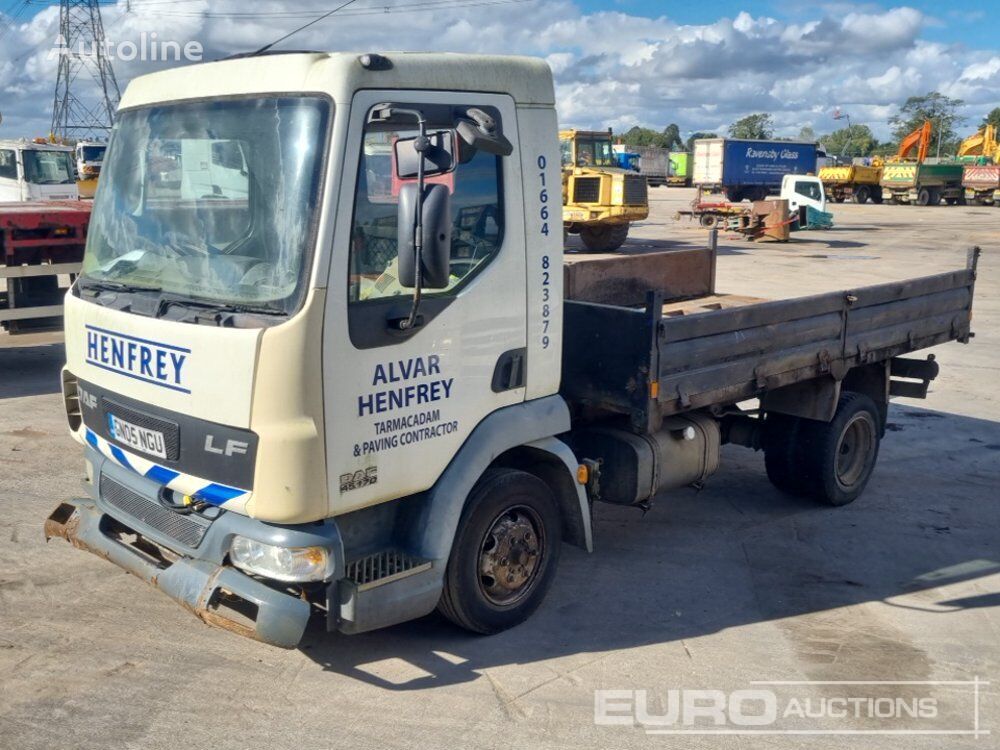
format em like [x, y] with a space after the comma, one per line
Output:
[854, 450]
[510, 555]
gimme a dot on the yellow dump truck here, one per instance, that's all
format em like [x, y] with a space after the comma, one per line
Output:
[600, 200]
[854, 182]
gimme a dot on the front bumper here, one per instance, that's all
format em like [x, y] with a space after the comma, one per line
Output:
[195, 574]
[202, 587]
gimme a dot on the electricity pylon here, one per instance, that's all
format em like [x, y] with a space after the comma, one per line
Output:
[77, 113]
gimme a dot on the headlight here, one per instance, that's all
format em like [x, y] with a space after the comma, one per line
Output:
[280, 563]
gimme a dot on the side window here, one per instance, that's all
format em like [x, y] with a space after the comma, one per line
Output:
[8, 164]
[476, 212]
[566, 152]
[808, 189]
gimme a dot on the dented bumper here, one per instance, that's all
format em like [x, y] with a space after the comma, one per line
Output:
[217, 594]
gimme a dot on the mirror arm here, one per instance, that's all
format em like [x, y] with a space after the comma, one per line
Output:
[420, 145]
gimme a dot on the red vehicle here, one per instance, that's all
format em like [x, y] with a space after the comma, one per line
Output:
[982, 183]
[42, 251]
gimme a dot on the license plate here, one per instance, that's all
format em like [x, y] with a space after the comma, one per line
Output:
[134, 436]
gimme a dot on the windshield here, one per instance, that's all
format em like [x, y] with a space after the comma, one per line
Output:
[92, 153]
[590, 152]
[48, 167]
[211, 201]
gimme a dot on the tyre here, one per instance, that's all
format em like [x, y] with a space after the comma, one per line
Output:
[505, 553]
[708, 221]
[734, 195]
[781, 458]
[935, 197]
[838, 457]
[924, 197]
[604, 239]
[839, 198]
[876, 196]
[862, 194]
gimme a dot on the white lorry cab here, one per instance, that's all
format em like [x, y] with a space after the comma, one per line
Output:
[89, 158]
[32, 171]
[802, 190]
[320, 361]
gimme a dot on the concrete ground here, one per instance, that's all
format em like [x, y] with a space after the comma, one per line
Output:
[709, 590]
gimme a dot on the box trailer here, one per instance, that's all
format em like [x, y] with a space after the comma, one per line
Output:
[749, 169]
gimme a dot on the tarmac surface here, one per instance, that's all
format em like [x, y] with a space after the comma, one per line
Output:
[716, 590]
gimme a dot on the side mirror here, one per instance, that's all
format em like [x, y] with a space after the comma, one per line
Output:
[435, 234]
[438, 155]
[480, 132]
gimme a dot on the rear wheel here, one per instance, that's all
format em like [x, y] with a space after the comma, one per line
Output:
[734, 195]
[505, 553]
[924, 197]
[838, 457]
[781, 457]
[604, 239]
[708, 221]
[862, 194]
[876, 196]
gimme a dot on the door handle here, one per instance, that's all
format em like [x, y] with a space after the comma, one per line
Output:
[510, 371]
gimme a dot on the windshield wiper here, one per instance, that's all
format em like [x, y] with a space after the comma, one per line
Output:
[168, 300]
[105, 285]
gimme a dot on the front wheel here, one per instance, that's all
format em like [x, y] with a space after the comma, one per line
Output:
[505, 553]
[604, 239]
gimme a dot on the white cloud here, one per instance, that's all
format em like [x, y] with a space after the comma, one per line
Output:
[611, 68]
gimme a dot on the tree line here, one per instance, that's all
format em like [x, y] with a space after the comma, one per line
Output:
[853, 140]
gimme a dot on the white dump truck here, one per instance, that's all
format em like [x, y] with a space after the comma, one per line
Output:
[350, 377]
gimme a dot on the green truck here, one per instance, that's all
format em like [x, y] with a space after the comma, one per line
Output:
[923, 183]
[680, 169]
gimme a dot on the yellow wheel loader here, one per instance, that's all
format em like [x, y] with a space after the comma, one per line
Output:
[600, 200]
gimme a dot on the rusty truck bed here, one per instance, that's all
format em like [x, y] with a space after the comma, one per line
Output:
[657, 359]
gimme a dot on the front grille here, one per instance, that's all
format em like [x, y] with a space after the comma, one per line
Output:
[586, 189]
[170, 430]
[636, 190]
[187, 530]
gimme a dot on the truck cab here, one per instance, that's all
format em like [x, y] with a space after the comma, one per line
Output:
[801, 191]
[246, 251]
[89, 158]
[36, 172]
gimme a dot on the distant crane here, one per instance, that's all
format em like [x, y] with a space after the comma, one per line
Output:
[74, 114]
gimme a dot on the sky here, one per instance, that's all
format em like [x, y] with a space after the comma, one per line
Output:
[616, 63]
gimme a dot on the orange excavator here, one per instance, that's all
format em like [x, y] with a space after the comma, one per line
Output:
[919, 139]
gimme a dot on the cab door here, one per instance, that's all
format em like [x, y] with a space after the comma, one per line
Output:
[10, 186]
[398, 404]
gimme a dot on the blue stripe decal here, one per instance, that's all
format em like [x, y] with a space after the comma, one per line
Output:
[136, 338]
[119, 456]
[217, 494]
[92, 439]
[137, 377]
[161, 474]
